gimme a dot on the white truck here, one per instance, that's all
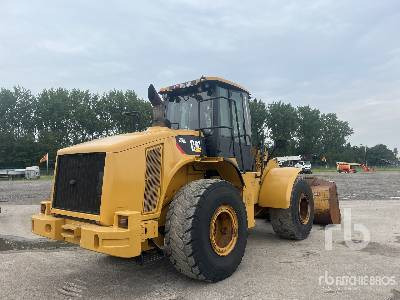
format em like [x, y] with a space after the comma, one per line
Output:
[295, 161]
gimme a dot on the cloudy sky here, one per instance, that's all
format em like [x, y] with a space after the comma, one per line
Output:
[338, 56]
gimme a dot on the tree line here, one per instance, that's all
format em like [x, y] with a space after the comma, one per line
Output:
[32, 125]
[314, 135]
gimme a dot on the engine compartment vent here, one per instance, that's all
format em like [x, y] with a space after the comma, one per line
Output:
[152, 178]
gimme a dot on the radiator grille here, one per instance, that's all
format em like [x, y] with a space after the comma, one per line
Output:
[79, 182]
[152, 178]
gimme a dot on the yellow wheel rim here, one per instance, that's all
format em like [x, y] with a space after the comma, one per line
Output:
[304, 209]
[224, 230]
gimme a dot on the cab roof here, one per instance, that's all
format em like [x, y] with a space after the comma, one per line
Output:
[196, 82]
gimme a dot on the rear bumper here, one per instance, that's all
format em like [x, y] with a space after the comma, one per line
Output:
[113, 240]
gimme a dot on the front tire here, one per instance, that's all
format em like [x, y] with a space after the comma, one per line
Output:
[295, 222]
[206, 230]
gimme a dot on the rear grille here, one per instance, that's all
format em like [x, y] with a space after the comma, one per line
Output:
[152, 178]
[79, 182]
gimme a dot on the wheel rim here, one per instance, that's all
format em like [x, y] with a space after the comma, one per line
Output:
[224, 230]
[304, 209]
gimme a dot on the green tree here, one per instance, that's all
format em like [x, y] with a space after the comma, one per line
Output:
[380, 155]
[17, 127]
[110, 107]
[282, 122]
[259, 115]
[309, 131]
[54, 120]
[334, 134]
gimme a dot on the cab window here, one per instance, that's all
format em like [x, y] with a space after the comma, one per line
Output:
[224, 112]
[238, 123]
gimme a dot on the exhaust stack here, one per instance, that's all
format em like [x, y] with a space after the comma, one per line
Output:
[158, 107]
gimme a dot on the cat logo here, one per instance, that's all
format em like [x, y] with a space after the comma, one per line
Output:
[195, 146]
[190, 145]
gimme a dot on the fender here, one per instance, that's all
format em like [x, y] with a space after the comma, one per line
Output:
[226, 168]
[276, 187]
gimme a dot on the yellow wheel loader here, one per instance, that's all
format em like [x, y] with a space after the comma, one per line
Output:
[189, 185]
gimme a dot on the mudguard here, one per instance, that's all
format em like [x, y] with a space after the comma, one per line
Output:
[276, 187]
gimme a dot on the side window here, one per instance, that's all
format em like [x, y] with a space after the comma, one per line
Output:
[206, 114]
[247, 118]
[237, 98]
[224, 117]
[224, 112]
[189, 114]
[223, 92]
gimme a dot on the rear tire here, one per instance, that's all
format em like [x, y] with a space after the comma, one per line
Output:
[295, 222]
[192, 242]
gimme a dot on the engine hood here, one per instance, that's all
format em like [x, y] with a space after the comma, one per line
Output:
[124, 142]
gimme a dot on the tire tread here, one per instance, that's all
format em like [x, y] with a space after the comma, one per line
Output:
[179, 233]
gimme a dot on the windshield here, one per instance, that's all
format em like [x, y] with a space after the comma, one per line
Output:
[183, 111]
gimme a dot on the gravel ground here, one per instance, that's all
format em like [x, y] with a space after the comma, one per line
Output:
[272, 268]
[366, 186]
[24, 191]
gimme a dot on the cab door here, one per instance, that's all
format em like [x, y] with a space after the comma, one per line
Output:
[241, 129]
[234, 131]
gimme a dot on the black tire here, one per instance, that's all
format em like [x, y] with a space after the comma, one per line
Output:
[187, 230]
[293, 223]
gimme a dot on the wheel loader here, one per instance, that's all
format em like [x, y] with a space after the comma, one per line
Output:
[190, 185]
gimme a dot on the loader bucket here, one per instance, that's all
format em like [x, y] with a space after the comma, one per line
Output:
[326, 202]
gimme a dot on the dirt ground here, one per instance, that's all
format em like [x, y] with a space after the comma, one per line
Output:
[272, 268]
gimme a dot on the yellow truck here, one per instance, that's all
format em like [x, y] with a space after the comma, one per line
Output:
[189, 185]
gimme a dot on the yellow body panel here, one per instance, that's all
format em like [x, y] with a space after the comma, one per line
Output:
[112, 240]
[250, 195]
[276, 187]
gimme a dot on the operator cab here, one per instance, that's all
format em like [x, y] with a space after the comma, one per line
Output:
[219, 109]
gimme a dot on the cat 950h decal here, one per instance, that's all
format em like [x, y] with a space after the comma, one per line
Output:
[189, 144]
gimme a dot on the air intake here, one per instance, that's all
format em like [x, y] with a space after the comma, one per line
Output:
[152, 178]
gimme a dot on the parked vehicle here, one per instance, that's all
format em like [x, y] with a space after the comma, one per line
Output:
[305, 166]
[295, 161]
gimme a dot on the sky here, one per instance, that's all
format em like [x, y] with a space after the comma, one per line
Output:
[337, 56]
